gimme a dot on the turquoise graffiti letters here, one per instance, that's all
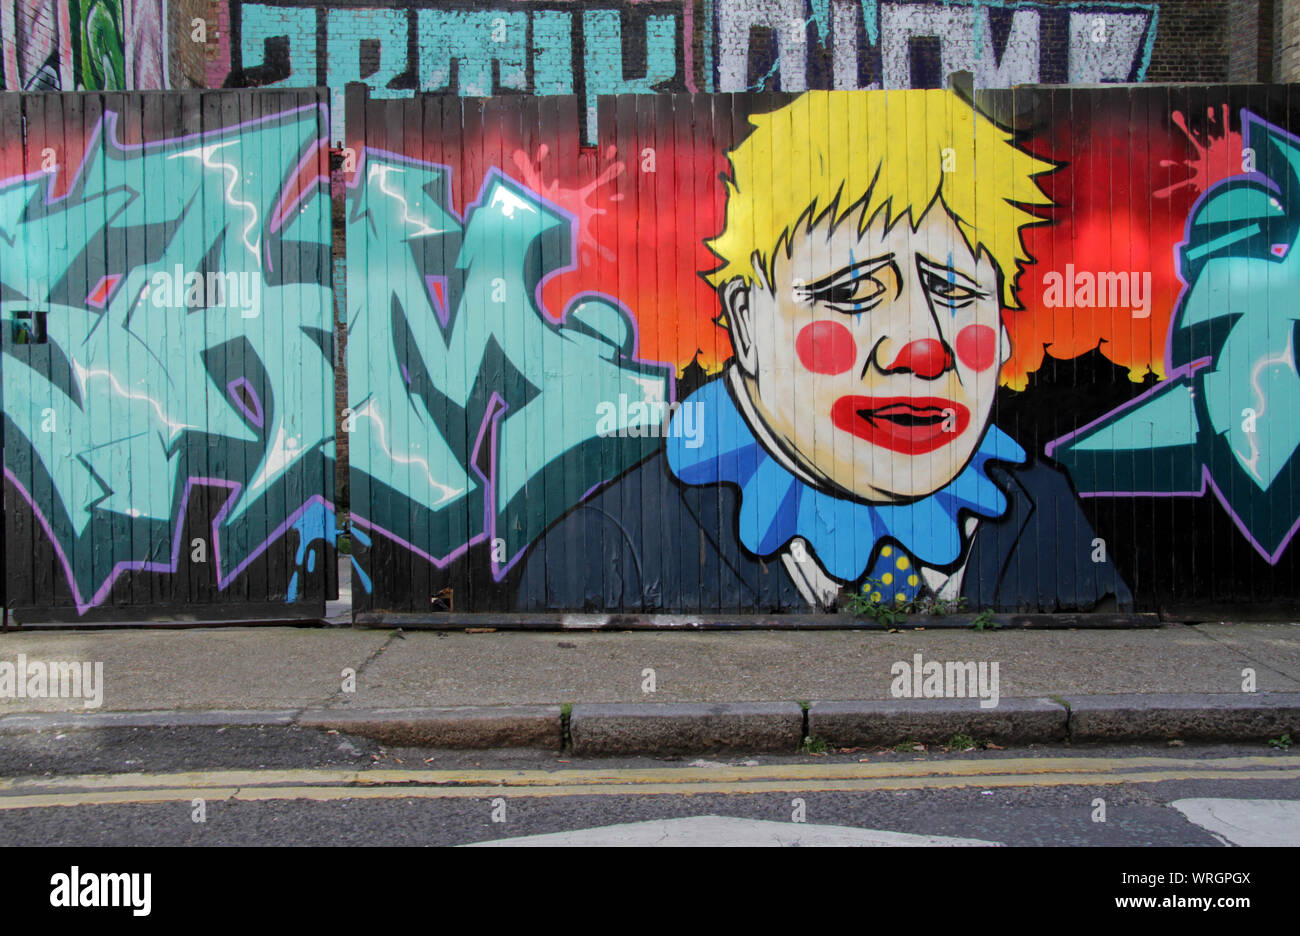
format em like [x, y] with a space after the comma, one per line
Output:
[1226, 417]
[184, 287]
[474, 429]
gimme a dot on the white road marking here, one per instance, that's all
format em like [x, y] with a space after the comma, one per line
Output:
[716, 831]
[1246, 822]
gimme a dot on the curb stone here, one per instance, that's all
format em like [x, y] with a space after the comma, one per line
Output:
[20, 723]
[471, 726]
[871, 724]
[685, 728]
[1238, 716]
[664, 728]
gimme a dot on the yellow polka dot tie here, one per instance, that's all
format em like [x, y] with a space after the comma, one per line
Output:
[894, 578]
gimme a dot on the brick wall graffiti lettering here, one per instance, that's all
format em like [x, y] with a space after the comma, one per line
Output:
[93, 45]
[849, 44]
[185, 296]
[546, 48]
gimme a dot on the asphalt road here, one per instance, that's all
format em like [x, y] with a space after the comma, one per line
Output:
[250, 786]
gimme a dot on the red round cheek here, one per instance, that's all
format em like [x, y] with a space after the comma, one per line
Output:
[826, 348]
[977, 347]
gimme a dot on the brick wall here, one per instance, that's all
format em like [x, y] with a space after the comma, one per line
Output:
[1250, 40]
[1191, 41]
[37, 46]
[188, 56]
[1287, 40]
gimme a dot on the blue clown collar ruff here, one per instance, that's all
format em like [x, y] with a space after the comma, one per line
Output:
[775, 506]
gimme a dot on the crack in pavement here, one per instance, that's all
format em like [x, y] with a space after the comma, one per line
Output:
[1221, 642]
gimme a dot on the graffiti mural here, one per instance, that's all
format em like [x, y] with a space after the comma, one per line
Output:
[99, 27]
[763, 352]
[479, 48]
[861, 286]
[1225, 418]
[168, 357]
[37, 45]
[93, 45]
[470, 432]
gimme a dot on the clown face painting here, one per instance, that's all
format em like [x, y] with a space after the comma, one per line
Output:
[893, 338]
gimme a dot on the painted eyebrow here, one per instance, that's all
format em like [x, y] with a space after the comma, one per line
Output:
[827, 281]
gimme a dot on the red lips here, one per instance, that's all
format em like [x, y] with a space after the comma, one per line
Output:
[909, 425]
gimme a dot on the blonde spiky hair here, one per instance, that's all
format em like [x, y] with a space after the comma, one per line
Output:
[833, 153]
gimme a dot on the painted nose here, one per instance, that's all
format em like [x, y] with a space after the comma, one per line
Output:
[926, 358]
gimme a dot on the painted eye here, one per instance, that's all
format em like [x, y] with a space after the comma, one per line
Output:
[949, 292]
[858, 293]
[855, 293]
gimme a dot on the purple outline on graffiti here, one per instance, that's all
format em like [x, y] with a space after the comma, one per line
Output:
[137, 565]
[116, 279]
[255, 414]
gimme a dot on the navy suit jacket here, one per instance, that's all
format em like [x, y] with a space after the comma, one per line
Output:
[648, 543]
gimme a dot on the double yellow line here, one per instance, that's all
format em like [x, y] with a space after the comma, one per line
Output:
[324, 785]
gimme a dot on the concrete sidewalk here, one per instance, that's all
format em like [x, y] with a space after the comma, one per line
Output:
[656, 692]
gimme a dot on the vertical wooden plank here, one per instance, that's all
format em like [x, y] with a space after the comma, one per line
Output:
[408, 578]
[726, 528]
[559, 128]
[828, 136]
[564, 561]
[1286, 571]
[27, 576]
[164, 113]
[451, 144]
[1151, 111]
[648, 197]
[1216, 537]
[498, 114]
[1128, 207]
[259, 582]
[14, 543]
[675, 209]
[279, 329]
[1158, 119]
[520, 138]
[1270, 580]
[63, 231]
[1245, 287]
[697, 559]
[313, 268]
[1176, 103]
[1138, 193]
[616, 124]
[78, 437]
[329, 553]
[357, 272]
[422, 118]
[144, 112]
[405, 121]
[301, 357]
[45, 116]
